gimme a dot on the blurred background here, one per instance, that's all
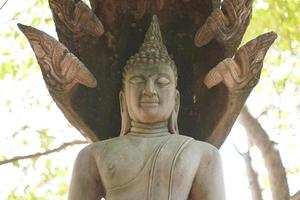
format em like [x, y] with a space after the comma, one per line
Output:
[38, 146]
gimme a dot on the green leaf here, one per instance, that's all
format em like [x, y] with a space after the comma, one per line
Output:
[45, 139]
[36, 21]
[63, 189]
[5, 52]
[16, 164]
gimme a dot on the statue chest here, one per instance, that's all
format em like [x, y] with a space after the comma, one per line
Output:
[128, 159]
[156, 168]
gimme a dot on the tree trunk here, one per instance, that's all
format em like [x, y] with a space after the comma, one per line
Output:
[271, 156]
[252, 177]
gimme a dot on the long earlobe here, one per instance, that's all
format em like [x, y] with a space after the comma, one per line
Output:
[125, 125]
[173, 126]
[177, 102]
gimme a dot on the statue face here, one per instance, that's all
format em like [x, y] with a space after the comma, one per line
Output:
[150, 92]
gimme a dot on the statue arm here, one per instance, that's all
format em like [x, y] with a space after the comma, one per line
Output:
[208, 182]
[86, 182]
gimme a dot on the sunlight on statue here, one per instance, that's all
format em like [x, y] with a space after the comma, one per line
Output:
[150, 160]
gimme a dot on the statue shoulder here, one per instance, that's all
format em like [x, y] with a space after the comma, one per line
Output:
[203, 150]
[208, 156]
[107, 149]
[92, 149]
[200, 146]
[199, 150]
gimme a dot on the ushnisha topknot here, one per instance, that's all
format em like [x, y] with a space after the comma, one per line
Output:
[152, 51]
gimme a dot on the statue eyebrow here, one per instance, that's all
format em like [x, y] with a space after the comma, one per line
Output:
[137, 76]
[150, 76]
[160, 75]
[164, 75]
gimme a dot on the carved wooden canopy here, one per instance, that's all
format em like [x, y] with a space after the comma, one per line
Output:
[198, 34]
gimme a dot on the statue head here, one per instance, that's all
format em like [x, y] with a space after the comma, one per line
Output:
[149, 92]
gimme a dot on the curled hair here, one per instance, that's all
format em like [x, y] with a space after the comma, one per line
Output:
[152, 51]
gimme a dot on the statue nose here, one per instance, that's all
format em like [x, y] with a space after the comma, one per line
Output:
[149, 89]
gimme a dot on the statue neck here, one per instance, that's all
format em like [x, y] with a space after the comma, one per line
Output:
[142, 129]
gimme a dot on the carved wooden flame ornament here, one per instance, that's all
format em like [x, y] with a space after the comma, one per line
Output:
[227, 25]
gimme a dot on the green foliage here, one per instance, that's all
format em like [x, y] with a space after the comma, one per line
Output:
[277, 95]
[37, 178]
[16, 60]
[280, 16]
[45, 139]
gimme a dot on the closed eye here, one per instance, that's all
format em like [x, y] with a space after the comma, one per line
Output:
[137, 80]
[162, 81]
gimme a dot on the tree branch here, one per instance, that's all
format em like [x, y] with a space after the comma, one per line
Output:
[271, 156]
[296, 196]
[252, 175]
[61, 147]
[3, 4]
[252, 178]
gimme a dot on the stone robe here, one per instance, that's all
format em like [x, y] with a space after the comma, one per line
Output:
[147, 166]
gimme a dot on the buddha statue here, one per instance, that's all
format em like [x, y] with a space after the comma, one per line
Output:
[150, 159]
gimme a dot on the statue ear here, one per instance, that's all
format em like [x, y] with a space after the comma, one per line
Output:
[125, 125]
[173, 126]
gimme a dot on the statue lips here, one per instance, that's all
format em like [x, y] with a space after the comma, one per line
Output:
[149, 102]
